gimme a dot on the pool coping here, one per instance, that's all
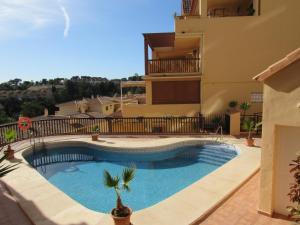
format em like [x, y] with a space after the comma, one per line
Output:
[46, 204]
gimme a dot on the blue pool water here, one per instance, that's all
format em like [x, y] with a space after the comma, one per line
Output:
[78, 171]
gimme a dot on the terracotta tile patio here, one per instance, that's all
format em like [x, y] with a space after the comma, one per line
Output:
[241, 209]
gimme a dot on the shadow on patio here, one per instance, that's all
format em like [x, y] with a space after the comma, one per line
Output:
[12, 214]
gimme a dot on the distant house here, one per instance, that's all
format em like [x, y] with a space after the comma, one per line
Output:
[281, 131]
[67, 109]
[95, 107]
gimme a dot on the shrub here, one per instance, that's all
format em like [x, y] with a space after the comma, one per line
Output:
[244, 107]
[294, 194]
[232, 104]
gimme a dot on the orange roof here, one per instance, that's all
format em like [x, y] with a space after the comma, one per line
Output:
[281, 64]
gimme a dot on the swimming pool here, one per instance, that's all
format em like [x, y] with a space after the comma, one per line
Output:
[78, 172]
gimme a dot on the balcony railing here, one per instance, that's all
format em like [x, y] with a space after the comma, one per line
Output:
[188, 65]
[189, 7]
[202, 124]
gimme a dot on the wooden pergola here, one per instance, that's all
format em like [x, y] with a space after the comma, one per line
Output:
[157, 40]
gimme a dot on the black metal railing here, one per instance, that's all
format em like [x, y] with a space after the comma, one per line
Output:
[116, 126]
[186, 65]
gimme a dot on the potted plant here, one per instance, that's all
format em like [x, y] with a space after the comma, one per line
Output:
[250, 126]
[294, 194]
[95, 134]
[10, 136]
[121, 214]
[244, 107]
[232, 106]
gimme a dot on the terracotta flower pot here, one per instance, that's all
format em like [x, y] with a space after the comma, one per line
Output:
[122, 220]
[95, 137]
[10, 153]
[250, 142]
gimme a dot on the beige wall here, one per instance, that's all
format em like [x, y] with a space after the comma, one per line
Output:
[216, 96]
[108, 109]
[67, 109]
[237, 48]
[160, 110]
[281, 108]
[287, 146]
[94, 106]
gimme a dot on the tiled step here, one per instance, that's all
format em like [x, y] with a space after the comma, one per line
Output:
[216, 155]
[210, 158]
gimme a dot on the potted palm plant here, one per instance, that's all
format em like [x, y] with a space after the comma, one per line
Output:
[10, 136]
[250, 126]
[121, 214]
[245, 106]
[95, 134]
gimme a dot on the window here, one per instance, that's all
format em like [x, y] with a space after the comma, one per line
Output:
[256, 97]
[106, 108]
[175, 92]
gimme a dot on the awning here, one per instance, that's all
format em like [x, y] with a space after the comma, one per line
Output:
[157, 40]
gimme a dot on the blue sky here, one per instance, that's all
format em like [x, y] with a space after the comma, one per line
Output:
[61, 38]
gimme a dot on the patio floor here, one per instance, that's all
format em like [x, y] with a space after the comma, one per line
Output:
[241, 209]
[10, 212]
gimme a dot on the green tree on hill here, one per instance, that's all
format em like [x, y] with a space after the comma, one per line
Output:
[32, 109]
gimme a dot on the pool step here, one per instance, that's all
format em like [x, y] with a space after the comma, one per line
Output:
[219, 151]
[210, 162]
[213, 159]
[217, 155]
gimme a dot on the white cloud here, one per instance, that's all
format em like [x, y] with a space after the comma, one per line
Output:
[20, 17]
[67, 21]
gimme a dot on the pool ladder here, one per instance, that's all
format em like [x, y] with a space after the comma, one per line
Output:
[220, 137]
[33, 142]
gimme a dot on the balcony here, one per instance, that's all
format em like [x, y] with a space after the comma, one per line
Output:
[219, 8]
[171, 55]
[185, 65]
